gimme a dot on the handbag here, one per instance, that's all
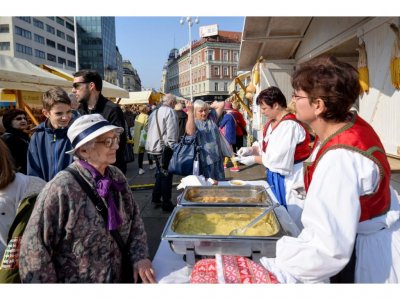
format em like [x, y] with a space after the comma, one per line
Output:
[184, 155]
[126, 265]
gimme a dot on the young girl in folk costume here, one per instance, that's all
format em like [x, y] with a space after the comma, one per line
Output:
[351, 214]
[284, 147]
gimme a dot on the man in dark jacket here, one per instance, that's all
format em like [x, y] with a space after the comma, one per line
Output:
[87, 87]
[182, 118]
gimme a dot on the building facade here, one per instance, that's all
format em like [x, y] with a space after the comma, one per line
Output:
[214, 66]
[97, 46]
[131, 79]
[120, 69]
[40, 40]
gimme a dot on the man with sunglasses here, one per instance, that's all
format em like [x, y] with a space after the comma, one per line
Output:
[87, 88]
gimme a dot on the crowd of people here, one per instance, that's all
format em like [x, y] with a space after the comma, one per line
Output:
[86, 223]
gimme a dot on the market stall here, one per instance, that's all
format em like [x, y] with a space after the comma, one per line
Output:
[173, 267]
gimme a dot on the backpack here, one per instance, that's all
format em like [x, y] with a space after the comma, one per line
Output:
[9, 269]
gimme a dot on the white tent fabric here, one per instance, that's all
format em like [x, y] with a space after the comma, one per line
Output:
[20, 74]
[137, 98]
[109, 90]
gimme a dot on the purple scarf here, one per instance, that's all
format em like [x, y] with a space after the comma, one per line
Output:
[103, 185]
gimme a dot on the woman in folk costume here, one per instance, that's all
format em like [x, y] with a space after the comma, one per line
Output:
[284, 147]
[351, 214]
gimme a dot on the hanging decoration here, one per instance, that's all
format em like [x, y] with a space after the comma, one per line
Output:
[395, 58]
[363, 68]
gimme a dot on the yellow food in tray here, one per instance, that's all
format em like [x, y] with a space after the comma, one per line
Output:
[223, 224]
[211, 199]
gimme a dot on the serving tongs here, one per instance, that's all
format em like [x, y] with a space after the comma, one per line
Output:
[242, 231]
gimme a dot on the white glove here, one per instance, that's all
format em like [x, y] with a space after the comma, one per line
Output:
[245, 151]
[247, 160]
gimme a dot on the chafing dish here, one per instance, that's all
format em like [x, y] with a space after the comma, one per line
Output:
[250, 195]
[206, 242]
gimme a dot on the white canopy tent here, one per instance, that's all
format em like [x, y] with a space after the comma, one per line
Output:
[20, 74]
[109, 90]
[137, 98]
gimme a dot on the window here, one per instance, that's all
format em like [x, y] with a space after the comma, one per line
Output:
[210, 54]
[225, 55]
[216, 86]
[50, 29]
[60, 21]
[61, 60]
[50, 43]
[69, 26]
[225, 86]
[235, 56]
[51, 18]
[71, 64]
[61, 34]
[70, 51]
[4, 28]
[216, 71]
[61, 47]
[38, 38]
[234, 71]
[4, 46]
[22, 32]
[26, 19]
[38, 23]
[70, 39]
[226, 71]
[51, 57]
[24, 49]
[40, 54]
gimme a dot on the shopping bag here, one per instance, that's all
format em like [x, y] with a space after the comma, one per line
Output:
[184, 156]
[143, 138]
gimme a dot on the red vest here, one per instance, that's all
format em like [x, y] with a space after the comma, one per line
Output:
[303, 150]
[359, 136]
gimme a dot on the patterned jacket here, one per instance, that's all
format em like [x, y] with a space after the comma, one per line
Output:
[66, 239]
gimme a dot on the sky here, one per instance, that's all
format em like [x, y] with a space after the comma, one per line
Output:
[147, 41]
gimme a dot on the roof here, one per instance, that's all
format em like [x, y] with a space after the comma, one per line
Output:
[280, 38]
[20, 74]
[108, 90]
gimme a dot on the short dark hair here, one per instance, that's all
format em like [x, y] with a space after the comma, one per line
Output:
[271, 95]
[54, 96]
[91, 76]
[10, 115]
[333, 81]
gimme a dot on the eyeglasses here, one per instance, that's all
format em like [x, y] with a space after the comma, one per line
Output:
[75, 85]
[108, 142]
[20, 118]
[297, 97]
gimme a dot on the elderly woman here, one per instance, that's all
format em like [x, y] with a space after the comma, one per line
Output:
[201, 121]
[17, 140]
[351, 214]
[66, 239]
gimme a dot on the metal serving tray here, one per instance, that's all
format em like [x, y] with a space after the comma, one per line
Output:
[249, 195]
[209, 244]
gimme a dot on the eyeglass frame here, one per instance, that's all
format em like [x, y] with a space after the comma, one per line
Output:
[75, 85]
[297, 97]
[20, 118]
[113, 141]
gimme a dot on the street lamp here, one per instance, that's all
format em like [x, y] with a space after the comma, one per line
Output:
[189, 21]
